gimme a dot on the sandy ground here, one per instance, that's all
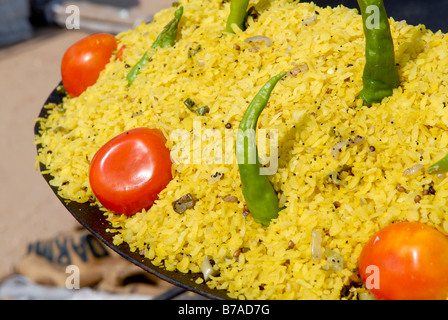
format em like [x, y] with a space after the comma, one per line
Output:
[29, 72]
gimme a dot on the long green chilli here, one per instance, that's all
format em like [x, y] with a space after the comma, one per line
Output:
[237, 14]
[166, 38]
[380, 72]
[260, 196]
[135, 71]
[439, 167]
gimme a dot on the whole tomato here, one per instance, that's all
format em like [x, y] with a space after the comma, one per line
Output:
[83, 62]
[129, 171]
[406, 261]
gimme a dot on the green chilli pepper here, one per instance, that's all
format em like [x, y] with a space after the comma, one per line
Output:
[237, 14]
[439, 167]
[166, 38]
[380, 72]
[260, 196]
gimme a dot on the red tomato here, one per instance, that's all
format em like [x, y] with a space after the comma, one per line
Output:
[120, 53]
[406, 261]
[83, 62]
[129, 171]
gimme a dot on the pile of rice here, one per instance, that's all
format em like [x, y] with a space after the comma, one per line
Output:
[312, 109]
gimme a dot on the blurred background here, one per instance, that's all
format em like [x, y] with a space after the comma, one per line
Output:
[35, 227]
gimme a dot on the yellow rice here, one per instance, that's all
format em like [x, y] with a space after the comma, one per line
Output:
[312, 112]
